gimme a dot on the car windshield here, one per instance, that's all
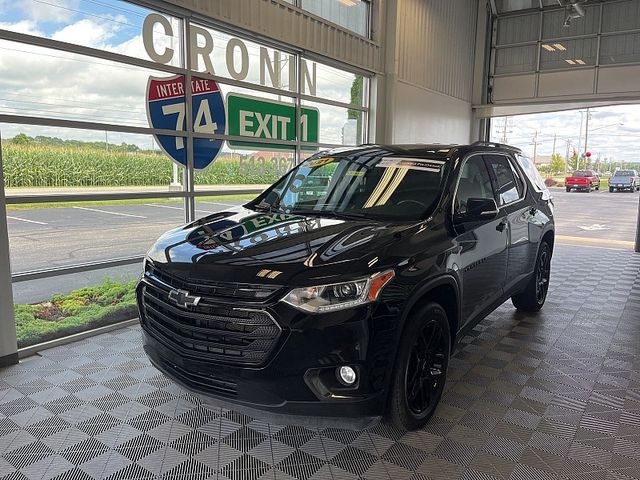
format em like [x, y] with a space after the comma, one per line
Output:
[623, 173]
[386, 188]
[580, 173]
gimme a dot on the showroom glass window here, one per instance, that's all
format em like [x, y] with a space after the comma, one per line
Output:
[351, 14]
[106, 139]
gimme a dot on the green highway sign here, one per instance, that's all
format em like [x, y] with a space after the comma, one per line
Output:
[270, 120]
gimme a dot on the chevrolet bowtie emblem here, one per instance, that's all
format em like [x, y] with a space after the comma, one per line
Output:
[183, 299]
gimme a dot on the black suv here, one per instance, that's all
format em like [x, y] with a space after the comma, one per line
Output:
[341, 290]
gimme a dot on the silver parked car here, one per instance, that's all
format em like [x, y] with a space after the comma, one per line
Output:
[624, 180]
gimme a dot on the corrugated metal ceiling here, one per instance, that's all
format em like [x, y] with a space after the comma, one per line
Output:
[507, 6]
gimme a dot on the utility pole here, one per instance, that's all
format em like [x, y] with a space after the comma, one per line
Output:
[106, 141]
[586, 131]
[566, 158]
[555, 135]
[535, 146]
[579, 140]
[504, 130]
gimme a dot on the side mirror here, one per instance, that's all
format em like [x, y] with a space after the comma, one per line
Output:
[479, 209]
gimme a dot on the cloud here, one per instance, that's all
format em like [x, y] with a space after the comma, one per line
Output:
[24, 26]
[55, 11]
[606, 137]
[93, 34]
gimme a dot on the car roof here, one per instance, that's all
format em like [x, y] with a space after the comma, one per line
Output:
[433, 150]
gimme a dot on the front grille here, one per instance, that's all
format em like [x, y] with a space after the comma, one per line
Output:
[207, 331]
[216, 290]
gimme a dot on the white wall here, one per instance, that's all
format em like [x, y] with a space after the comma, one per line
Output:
[424, 116]
[429, 60]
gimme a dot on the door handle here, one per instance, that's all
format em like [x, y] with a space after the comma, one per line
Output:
[501, 225]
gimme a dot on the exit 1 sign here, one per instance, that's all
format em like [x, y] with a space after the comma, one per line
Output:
[269, 120]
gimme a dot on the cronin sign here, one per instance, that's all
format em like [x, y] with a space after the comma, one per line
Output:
[255, 118]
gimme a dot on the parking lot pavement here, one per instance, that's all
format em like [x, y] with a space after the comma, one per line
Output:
[49, 237]
[596, 218]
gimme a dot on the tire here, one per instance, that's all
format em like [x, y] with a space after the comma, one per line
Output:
[532, 298]
[415, 389]
[589, 189]
[568, 189]
[598, 188]
[610, 189]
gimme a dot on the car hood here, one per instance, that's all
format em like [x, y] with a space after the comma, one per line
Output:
[245, 246]
[621, 178]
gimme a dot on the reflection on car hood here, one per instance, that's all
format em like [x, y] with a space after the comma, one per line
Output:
[242, 245]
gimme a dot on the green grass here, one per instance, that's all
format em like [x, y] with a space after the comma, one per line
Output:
[78, 311]
[141, 201]
[38, 165]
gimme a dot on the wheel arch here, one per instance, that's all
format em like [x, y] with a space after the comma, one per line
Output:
[443, 290]
[550, 237]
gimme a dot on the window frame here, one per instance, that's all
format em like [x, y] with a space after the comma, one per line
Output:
[494, 179]
[459, 176]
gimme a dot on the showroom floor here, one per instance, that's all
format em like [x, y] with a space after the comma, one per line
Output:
[529, 397]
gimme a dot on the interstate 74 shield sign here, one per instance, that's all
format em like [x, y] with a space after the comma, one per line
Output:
[166, 110]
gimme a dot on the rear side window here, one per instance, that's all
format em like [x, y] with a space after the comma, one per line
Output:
[532, 172]
[509, 184]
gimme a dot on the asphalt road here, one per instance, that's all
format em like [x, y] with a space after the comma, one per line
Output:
[49, 237]
[597, 217]
[62, 236]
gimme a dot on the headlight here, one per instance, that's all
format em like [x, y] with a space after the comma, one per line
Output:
[338, 296]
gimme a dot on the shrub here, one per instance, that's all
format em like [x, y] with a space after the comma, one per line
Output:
[78, 311]
[550, 182]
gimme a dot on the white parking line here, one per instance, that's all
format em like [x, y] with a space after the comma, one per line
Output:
[218, 203]
[109, 212]
[175, 208]
[28, 221]
[162, 206]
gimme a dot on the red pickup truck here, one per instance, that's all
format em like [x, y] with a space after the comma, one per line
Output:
[582, 180]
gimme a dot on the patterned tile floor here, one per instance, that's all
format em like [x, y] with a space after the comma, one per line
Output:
[556, 395]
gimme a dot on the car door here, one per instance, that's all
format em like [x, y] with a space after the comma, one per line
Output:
[511, 193]
[481, 245]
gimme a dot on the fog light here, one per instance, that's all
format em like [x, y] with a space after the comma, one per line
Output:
[347, 375]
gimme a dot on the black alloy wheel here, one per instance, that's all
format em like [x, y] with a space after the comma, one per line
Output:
[532, 298]
[425, 372]
[420, 371]
[543, 274]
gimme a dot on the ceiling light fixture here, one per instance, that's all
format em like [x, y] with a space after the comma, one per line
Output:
[548, 47]
[570, 62]
[559, 46]
[580, 62]
[348, 3]
[573, 9]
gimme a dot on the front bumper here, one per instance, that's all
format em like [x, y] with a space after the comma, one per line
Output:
[297, 380]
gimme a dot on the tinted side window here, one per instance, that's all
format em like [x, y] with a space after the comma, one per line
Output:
[532, 172]
[508, 188]
[474, 182]
[518, 177]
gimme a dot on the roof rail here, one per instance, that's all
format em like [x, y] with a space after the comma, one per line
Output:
[495, 145]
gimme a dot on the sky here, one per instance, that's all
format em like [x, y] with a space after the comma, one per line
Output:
[614, 132]
[41, 82]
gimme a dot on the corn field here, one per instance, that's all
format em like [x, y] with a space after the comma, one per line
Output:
[34, 165]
